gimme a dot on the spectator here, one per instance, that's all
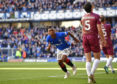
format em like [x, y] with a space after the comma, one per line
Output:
[33, 41]
[18, 53]
[43, 5]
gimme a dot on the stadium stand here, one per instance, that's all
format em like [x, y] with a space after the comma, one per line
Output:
[44, 5]
[32, 40]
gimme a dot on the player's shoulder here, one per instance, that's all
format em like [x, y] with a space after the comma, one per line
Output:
[59, 33]
[85, 15]
[62, 34]
[96, 15]
[48, 37]
[108, 25]
[91, 14]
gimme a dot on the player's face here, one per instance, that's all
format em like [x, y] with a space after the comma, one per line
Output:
[51, 32]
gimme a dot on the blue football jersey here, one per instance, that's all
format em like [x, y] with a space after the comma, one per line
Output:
[59, 41]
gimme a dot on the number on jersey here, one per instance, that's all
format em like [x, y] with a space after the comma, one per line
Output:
[87, 24]
[104, 32]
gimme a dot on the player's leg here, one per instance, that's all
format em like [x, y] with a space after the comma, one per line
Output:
[112, 69]
[107, 62]
[109, 54]
[111, 57]
[95, 65]
[63, 67]
[61, 63]
[95, 48]
[88, 65]
[69, 62]
[87, 50]
[96, 62]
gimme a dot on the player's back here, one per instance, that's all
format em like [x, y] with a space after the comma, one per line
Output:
[89, 22]
[90, 32]
[106, 28]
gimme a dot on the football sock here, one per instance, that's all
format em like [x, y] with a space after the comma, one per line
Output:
[88, 68]
[111, 67]
[95, 65]
[68, 62]
[109, 61]
[63, 67]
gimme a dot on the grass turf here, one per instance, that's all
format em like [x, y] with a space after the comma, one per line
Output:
[51, 76]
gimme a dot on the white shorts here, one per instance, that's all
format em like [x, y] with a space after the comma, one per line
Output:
[60, 53]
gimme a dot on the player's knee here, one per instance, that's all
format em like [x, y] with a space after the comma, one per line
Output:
[64, 58]
[60, 62]
[111, 56]
[107, 56]
[88, 60]
[97, 58]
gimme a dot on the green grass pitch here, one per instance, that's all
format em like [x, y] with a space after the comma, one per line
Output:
[15, 73]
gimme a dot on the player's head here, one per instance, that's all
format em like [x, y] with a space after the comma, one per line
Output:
[51, 31]
[103, 19]
[88, 7]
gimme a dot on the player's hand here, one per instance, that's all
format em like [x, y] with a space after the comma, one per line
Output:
[104, 43]
[101, 47]
[48, 48]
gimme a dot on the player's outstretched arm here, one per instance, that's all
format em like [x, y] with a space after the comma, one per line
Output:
[48, 47]
[73, 37]
[101, 34]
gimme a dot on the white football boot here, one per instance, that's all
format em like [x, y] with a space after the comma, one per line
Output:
[74, 70]
[67, 74]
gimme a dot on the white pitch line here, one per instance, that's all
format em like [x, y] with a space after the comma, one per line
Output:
[46, 69]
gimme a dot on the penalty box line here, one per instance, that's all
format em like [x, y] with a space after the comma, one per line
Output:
[46, 69]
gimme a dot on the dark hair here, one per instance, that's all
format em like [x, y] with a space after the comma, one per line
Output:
[103, 18]
[88, 7]
[51, 29]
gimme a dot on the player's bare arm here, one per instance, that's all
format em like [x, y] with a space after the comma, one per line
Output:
[101, 34]
[48, 47]
[73, 37]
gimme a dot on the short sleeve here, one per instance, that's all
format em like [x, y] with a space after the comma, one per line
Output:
[64, 34]
[47, 41]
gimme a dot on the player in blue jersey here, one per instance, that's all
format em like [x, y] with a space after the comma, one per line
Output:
[58, 39]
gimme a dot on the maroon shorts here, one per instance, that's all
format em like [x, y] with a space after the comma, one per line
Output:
[91, 43]
[109, 49]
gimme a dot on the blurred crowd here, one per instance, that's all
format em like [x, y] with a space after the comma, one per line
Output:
[31, 43]
[44, 5]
